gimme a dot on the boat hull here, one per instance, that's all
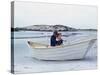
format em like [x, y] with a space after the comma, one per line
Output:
[68, 52]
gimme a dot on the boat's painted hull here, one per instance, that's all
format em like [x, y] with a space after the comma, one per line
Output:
[68, 52]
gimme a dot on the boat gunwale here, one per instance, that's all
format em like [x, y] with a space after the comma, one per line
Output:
[62, 45]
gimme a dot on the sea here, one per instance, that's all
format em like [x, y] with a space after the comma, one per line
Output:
[25, 63]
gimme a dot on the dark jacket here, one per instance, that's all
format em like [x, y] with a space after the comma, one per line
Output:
[60, 42]
[53, 40]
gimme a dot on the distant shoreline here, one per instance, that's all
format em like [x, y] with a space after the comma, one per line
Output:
[48, 28]
[18, 30]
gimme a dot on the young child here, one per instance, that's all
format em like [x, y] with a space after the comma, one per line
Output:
[59, 40]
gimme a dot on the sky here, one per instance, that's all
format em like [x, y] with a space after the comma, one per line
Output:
[76, 16]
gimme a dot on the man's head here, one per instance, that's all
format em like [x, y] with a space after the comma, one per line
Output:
[55, 32]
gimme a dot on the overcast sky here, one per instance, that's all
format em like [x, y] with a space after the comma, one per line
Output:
[77, 16]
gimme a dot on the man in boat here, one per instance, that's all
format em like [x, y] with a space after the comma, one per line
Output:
[56, 39]
[53, 38]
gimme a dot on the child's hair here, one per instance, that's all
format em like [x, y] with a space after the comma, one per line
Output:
[58, 34]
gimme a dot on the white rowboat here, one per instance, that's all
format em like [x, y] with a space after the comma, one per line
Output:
[76, 50]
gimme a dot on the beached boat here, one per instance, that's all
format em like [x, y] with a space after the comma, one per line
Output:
[75, 50]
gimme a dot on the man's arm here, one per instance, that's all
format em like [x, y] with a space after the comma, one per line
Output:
[53, 41]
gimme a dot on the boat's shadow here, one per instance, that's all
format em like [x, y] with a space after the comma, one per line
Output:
[88, 59]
